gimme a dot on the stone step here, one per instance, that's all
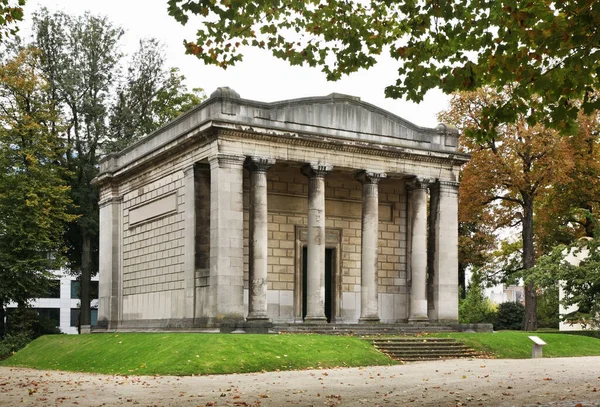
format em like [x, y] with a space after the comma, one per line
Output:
[412, 341]
[426, 358]
[360, 329]
[410, 349]
[449, 348]
[410, 352]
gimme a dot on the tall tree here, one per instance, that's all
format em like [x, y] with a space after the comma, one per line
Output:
[150, 96]
[34, 198]
[102, 110]
[572, 207]
[80, 58]
[476, 242]
[508, 173]
[549, 48]
[11, 11]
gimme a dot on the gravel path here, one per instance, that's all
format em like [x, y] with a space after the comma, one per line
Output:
[474, 382]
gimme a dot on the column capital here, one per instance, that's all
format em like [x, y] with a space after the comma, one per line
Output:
[189, 170]
[449, 186]
[316, 170]
[226, 160]
[419, 183]
[110, 201]
[260, 164]
[370, 177]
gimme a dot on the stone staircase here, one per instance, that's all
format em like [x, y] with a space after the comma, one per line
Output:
[361, 329]
[420, 348]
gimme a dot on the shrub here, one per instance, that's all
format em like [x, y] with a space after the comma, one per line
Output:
[547, 308]
[13, 342]
[510, 316]
[475, 308]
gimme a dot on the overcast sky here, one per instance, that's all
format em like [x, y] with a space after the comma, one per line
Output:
[260, 77]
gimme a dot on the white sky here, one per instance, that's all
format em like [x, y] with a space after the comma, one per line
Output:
[259, 77]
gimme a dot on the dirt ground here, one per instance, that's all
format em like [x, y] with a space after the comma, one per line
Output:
[474, 382]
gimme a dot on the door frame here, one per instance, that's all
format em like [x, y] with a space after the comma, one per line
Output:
[333, 240]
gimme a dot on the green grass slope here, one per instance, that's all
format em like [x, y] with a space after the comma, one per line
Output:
[517, 345]
[187, 353]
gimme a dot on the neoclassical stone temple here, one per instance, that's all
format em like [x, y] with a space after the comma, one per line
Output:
[312, 210]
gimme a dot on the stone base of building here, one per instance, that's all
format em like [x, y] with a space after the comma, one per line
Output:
[264, 327]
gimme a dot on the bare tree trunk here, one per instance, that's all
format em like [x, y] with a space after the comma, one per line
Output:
[86, 263]
[530, 317]
[462, 281]
[2, 315]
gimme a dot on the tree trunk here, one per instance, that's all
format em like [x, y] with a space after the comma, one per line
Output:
[462, 281]
[530, 317]
[2, 315]
[86, 266]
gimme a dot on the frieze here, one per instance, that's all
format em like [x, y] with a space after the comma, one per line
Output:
[349, 146]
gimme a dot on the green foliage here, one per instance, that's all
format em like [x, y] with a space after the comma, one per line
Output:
[34, 198]
[547, 308]
[23, 326]
[150, 96]
[187, 354]
[510, 316]
[13, 342]
[11, 11]
[81, 60]
[539, 47]
[517, 345]
[580, 283]
[475, 308]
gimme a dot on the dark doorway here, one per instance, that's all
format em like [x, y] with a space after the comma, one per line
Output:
[328, 282]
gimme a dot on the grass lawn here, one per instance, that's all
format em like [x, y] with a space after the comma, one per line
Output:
[187, 354]
[517, 345]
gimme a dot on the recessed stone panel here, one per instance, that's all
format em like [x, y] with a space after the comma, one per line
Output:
[152, 210]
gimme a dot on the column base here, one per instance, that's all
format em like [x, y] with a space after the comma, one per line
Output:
[368, 320]
[258, 317]
[315, 320]
[418, 319]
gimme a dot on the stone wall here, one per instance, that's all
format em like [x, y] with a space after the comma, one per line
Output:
[153, 248]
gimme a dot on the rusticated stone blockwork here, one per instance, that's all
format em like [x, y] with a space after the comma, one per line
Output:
[267, 211]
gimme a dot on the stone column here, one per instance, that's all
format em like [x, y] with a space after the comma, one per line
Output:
[445, 252]
[369, 302]
[257, 307]
[417, 188]
[109, 267]
[226, 238]
[189, 270]
[315, 282]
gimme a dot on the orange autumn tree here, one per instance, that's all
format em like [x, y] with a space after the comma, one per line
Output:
[572, 207]
[508, 173]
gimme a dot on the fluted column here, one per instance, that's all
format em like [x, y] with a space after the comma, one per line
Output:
[257, 307]
[445, 252]
[417, 188]
[369, 307]
[315, 282]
